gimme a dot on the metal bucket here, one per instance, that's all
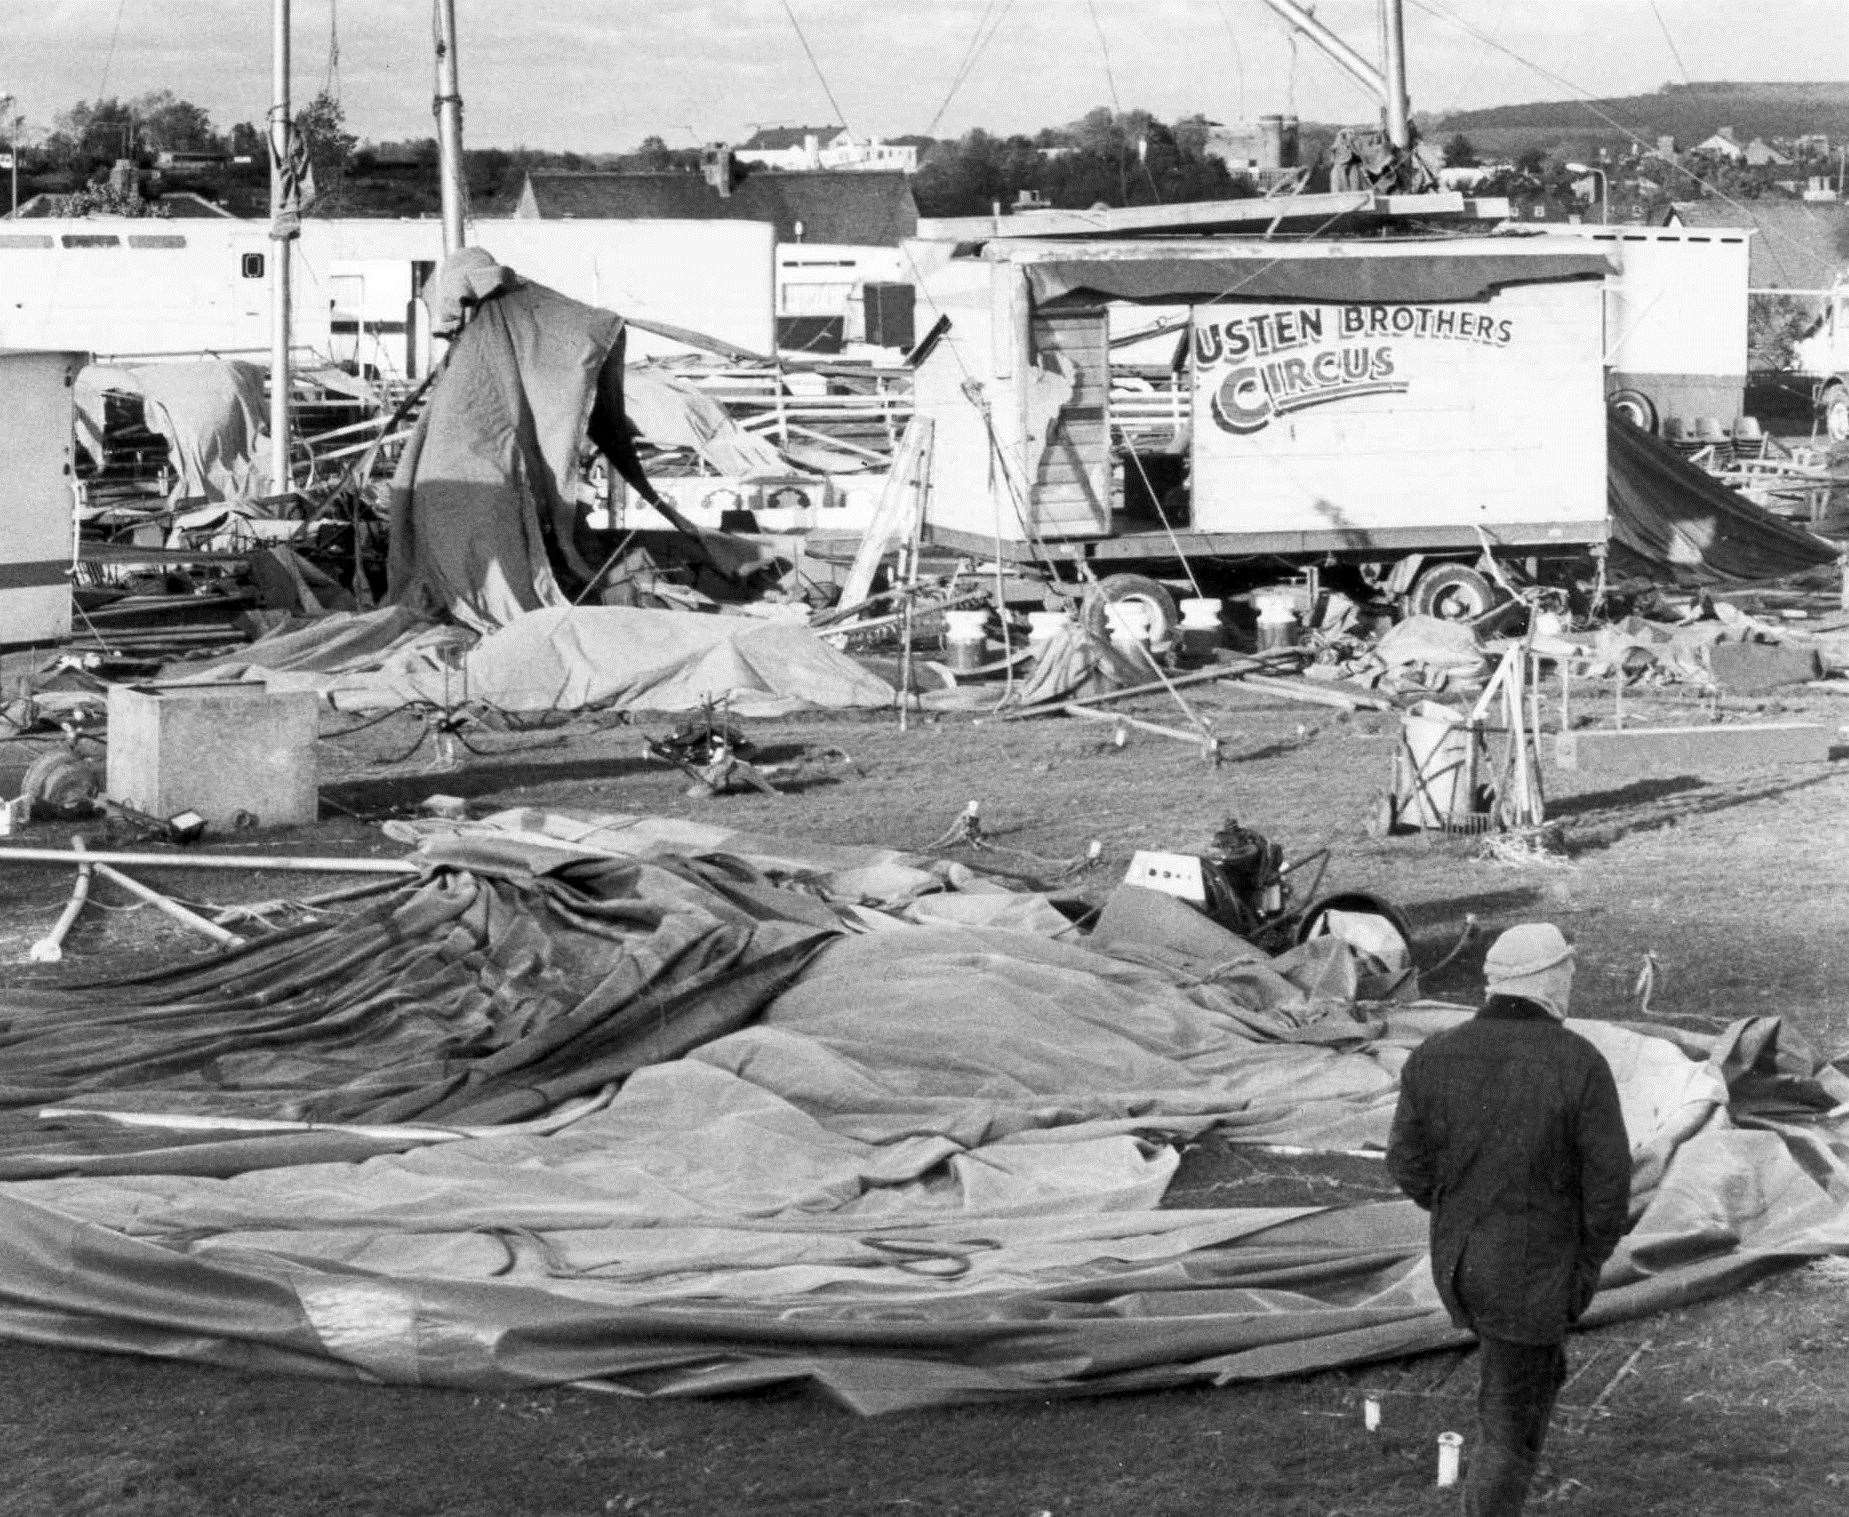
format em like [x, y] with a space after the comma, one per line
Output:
[966, 640]
[1432, 782]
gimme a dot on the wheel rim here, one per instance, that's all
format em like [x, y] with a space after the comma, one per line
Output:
[1457, 603]
[1836, 418]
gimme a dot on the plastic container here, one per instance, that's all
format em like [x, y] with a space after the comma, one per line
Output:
[1277, 622]
[1201, 636]
[966, 639]
[1432, 784]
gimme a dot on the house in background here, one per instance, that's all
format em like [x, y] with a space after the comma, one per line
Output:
[812, 148]
[1723, 144]
[842, 271]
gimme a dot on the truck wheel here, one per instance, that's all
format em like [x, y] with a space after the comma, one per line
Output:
[1635, 407]
[1453, 593]
[1836, 412]
[1164, 615]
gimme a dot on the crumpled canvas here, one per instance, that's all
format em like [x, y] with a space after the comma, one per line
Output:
[928, 1171]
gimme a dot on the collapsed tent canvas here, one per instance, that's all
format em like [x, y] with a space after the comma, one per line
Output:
[484, 513]
[928, 1172]
[568, 658]
[1675, 519]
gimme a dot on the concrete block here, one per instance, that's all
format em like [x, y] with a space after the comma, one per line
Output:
[215, 749]
[1692, 750]
[1755, 668]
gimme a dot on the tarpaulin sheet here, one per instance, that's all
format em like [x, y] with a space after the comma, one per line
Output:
[486, 483]
[1680, 521]
[636, 659]
[567, 658]
[928, 1173]
[211, 413]
[1271, 273]
[675, 413]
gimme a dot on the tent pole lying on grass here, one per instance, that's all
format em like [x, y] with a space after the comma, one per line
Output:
[50, 948]
[1314, 695]
[1196, 677]
[223, 936]
[291, 864]
[1207, 745]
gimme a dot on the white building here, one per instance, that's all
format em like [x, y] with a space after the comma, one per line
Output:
[825, 147]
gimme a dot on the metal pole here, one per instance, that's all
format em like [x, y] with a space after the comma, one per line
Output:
[1399, 107]
[280, 129]
[1335, 47]
[449, 127]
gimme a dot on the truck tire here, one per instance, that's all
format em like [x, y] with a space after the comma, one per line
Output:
[1453, 593]
[1164, 614]
[1836, 412]
[1635, 407]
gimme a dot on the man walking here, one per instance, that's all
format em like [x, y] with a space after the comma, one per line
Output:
[1509, 1133]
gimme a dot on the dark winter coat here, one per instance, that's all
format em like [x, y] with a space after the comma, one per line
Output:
[1509, 1132]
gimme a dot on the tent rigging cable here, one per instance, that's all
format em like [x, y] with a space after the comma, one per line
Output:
[821, 78]
[109, 56]
[1590, 103]
[1674, 51]
[978, 44]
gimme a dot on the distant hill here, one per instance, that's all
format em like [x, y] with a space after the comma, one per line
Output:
[1687, 112]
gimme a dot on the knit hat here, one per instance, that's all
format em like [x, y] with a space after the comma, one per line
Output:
[1532, 961]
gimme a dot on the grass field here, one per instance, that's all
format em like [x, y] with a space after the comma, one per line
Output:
[1737, 882]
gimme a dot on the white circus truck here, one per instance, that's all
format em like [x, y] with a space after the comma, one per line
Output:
[1391, 408]
[1823, 357]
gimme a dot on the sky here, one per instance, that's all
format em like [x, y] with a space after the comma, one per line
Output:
[599, 75]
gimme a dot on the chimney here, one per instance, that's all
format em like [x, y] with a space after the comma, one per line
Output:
[716, 168]
[812, 150]
[1270, 142]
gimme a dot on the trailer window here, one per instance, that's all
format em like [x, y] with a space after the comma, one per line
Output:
[89, 240]
[14, 240]
[168, 241]
[252, 265]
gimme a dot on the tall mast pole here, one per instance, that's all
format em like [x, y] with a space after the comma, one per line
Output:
[280, 140]
[1386, 84]
[1399, 107]
[449, 126]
